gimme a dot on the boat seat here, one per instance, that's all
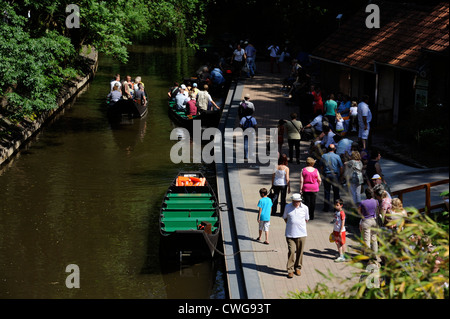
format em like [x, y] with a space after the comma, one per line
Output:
[192, 206]
[190, 222]
[189, 195]
[190, 200]
[190, 219]
[173, 229]
[187, 213]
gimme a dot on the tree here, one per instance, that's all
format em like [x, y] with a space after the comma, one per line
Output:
[38, 51]
[32, 69]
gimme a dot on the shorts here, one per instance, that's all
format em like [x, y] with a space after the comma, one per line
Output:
[339, 239]
[264, 225]
[364, 134]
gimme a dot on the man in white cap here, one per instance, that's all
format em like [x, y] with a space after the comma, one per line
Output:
[296, 215]
[376, 179]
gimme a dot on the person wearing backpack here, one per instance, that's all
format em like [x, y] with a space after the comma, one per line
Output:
[294, 128]
[246, 107]
[353, 172]
[245, 123]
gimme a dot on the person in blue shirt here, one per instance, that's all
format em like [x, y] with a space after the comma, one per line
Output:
[217, 77]
[250, 51]
[344, 110]
[265, 209]
[331, 169]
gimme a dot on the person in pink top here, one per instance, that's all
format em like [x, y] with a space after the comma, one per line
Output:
[309, 185]
[191, 107]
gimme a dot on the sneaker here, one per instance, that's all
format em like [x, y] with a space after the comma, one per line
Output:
[339, 259]
[290, 275]
[298, 272]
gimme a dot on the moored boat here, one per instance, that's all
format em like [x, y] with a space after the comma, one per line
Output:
[189, 220]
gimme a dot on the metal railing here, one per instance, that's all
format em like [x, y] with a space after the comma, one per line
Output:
[428, 207]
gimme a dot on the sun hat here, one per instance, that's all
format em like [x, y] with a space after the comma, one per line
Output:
[376, 176]
[296, 197]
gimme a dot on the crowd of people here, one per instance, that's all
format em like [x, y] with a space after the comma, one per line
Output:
[339, 160]
[127, 90]
[190, 99]
[194, 95]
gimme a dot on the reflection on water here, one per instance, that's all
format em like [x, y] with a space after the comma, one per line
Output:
[88, 192]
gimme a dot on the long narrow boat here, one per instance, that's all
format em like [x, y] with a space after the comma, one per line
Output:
[189, 220]
[129, 108]
[208, 118]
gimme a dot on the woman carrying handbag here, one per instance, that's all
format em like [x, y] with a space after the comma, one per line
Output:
[280, 184]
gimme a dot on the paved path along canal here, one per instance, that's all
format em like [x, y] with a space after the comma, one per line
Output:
[319, 255]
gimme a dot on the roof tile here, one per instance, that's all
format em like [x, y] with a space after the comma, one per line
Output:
[405, 31]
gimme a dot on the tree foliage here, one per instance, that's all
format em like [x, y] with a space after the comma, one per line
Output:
[416, 264]
[32, 69]
[38, 52]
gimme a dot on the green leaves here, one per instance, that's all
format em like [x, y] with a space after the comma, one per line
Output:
[38, 52]
[32, 67]
[415, 264]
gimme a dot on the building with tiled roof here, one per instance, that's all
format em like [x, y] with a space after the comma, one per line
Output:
[402, 63]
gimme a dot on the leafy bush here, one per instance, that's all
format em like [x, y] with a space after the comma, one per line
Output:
[415, 265]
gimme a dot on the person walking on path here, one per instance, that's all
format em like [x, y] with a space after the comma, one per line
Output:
[296, 216]
[281, 184]
[310, 181]
[238, 60]
[246, 107]
[354, 176]
[250, 52]
[364, 119]
[331, 170]
[248, 122]
[330, 108]
[265, 207]
[274, 55]
[317, 101]
[373, 167]
[339, 229]
[367, 209]
[294, 128]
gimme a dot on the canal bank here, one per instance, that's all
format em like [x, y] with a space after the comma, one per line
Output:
[24, 131]
[242, 278]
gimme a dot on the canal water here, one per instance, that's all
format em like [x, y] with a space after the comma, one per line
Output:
[86, 192]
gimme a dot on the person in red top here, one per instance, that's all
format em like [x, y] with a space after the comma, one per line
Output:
[191, 107]
[339, 229]
[317, 101]
[309, 185]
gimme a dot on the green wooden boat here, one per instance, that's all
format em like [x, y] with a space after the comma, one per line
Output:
[189, 219]
[208, 118]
